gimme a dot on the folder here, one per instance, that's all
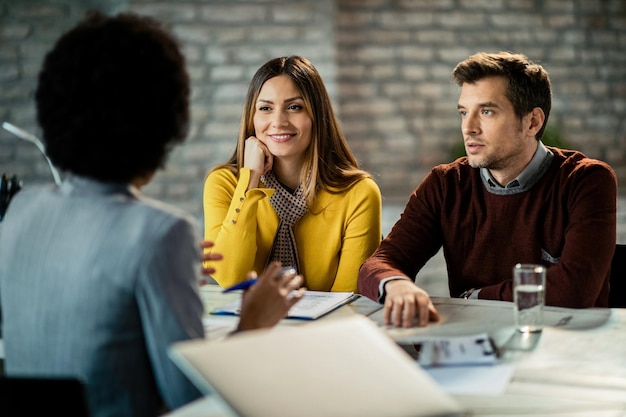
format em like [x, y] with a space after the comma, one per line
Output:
[340, 367]
[313, 305]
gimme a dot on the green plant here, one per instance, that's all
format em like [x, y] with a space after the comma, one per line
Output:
[552, 137]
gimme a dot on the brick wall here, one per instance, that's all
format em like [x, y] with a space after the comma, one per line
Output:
[397, 99]
[386, 64]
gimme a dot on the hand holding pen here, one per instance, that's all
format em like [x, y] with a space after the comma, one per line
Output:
[266, 299]
[243, 285]
[266, 302]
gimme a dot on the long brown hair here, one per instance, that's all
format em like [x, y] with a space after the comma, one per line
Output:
[329, 159]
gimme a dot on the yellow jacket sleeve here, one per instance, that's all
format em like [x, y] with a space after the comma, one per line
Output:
[231, 215]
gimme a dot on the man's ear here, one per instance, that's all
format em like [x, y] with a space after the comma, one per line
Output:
[534, 121]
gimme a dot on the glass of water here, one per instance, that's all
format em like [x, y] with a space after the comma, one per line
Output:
[529, 283]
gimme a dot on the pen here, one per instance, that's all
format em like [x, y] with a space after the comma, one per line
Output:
[250, 282]
[241, 286]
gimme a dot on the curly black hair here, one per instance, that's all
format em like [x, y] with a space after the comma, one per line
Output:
[113, 97]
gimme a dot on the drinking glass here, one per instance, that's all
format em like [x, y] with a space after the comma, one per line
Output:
[529, 282]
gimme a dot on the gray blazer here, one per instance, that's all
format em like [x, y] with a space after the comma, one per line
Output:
[96, 282]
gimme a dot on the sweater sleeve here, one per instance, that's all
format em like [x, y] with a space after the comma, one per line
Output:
[362, 235]
[579, 277]
[413, 240]
[230, 221]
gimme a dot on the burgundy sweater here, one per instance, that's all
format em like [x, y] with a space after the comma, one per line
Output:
[566, 221]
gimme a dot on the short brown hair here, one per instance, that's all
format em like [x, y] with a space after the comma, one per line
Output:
[528, 83]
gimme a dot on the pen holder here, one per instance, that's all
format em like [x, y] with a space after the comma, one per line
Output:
[8, 188]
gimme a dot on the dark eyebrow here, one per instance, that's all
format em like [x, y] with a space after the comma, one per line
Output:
[489, 104]
[289, 100]
[482, 105]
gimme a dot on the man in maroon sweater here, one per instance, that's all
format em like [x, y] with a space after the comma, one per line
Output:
[510, 200]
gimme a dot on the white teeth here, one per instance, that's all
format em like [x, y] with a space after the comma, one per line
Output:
[280, 137]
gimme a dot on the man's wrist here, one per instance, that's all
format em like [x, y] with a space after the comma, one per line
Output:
[381, 286]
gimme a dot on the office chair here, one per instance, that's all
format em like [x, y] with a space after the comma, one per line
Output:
[617, 290]
[35, 397]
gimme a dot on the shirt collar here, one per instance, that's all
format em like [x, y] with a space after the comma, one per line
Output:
[525, 176]
[74, 183]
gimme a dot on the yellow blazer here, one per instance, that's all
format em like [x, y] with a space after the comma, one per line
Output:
[334, 237]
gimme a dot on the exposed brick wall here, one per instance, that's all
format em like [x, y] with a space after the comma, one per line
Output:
[397, 99]
[386, 64]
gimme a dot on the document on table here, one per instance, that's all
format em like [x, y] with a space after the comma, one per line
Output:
[313, 305]
[216, 328]
[463, 365]
[476, 349]
[473, 380]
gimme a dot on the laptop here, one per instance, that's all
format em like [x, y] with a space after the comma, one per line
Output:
[340, 367]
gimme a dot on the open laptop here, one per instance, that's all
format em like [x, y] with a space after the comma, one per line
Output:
[340, 367]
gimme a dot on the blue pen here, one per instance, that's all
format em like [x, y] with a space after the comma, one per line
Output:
[241, 286]
[250, 282]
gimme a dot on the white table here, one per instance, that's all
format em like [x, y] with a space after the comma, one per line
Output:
[576, 367]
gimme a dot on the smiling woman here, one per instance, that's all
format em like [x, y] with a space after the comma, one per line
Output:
[282, 125]
[292, 191]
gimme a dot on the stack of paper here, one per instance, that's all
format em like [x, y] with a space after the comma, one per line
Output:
[313, 305]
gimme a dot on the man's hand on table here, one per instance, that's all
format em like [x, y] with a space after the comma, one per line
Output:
[405, 302]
